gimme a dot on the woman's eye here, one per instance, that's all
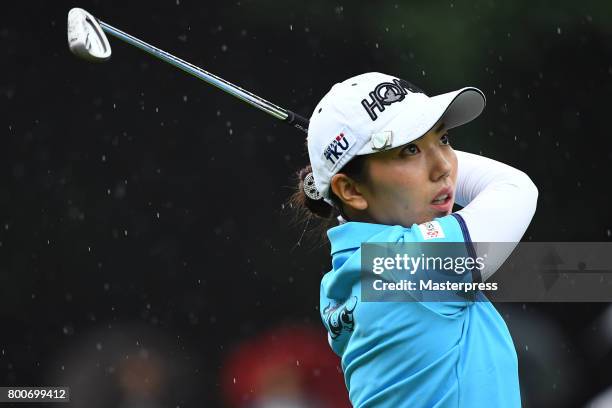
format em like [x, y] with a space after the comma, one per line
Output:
[410, 149]
[444, 139]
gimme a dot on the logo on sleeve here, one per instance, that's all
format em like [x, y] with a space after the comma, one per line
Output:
[340, 317]
[431, 230]
[340, 145]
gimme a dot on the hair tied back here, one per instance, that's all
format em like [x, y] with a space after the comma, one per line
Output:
[310, 188]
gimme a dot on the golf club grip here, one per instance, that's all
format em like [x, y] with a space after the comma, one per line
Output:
[297, 121]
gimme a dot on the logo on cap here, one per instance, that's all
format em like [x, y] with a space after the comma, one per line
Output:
[387, 93]
[336, 148]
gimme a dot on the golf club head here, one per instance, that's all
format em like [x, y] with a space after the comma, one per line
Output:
[86, 38]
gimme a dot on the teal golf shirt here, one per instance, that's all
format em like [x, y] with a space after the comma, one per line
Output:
[414, 354]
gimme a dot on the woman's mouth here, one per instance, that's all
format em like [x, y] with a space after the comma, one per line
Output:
[443, 201]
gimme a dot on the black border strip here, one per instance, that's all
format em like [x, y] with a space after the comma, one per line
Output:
[476, 276]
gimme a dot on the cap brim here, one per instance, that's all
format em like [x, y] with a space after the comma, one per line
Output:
[460, 107]
[453, 109]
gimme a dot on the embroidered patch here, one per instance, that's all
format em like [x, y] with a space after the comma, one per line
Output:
[340, 318]
[387, 93]
[431, 230]
[341, 143]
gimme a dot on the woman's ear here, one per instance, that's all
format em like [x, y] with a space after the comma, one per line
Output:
[347, 190]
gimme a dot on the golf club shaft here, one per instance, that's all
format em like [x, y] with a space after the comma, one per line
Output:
[285, 115]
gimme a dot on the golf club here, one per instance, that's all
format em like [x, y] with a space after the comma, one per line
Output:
[87, 40]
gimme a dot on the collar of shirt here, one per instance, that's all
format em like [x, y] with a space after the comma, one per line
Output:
[352, 234]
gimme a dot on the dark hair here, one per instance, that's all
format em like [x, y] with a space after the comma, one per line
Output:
[324, 215]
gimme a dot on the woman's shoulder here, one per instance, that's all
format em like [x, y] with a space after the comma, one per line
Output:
[352, 234]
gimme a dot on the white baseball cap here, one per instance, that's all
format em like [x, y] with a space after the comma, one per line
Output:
[372, 112]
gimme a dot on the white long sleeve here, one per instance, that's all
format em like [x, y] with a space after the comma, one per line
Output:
[499, 202]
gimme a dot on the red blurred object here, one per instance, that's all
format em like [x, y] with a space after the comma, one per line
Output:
[286, 363]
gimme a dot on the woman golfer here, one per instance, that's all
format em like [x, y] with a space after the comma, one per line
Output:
[382, 167]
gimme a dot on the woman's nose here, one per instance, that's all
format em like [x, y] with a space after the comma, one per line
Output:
[440, 165]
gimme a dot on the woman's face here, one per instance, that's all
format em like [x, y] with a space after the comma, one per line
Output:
[413, 183]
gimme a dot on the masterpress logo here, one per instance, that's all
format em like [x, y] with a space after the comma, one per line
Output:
[437, 273]
[424, 271]
[434, 271]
